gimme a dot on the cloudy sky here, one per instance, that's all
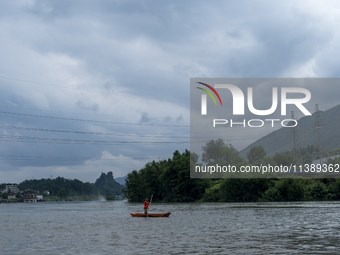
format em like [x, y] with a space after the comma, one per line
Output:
[96, 86]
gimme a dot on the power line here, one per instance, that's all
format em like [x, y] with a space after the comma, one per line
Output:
[25, 157]
[86, 132]
[77, 113]
[79, 141]
[95, 121]
[91, 91]
[30, 139]
[142, 135]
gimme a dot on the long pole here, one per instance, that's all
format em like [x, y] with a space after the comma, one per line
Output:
[149, 206]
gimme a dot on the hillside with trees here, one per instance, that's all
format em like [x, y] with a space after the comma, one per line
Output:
[104, 186]
[169, 180]
[73, 187]
[279, 140]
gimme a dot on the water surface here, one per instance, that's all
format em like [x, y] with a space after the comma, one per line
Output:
[197, 228]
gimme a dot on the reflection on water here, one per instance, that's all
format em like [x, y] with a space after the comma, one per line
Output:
[200, 228]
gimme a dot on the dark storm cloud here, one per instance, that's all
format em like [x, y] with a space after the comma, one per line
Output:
[128, 62]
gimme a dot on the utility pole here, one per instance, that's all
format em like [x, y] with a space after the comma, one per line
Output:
[294, 140]
[318, 135]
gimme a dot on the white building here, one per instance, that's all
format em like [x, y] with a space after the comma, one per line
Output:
[11, 195]
[11, 188]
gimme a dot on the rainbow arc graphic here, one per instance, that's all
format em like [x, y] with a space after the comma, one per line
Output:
[209, 93]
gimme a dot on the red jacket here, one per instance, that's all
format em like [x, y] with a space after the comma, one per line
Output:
[146, 205]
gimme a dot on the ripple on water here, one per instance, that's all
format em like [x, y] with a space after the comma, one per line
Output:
[100, 228]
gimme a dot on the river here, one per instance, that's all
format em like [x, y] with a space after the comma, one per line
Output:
[197, 228]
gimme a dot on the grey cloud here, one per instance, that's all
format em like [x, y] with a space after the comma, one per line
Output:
[167, 119]
[179, 119]
[144, 50]
[82, 105]
[145, 118]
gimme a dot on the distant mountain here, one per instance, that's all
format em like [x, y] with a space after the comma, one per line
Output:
[121, 180]
[279, 141]
[107, 185]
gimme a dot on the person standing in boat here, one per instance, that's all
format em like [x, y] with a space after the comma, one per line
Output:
[146, 206]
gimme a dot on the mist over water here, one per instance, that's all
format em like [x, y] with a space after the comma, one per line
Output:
[200, 228]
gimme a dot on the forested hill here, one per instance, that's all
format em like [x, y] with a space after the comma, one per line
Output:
[167, 180]
[279, 141]
[105, 185]
[73, 187]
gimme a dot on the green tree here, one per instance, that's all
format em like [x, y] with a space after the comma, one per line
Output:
[216, 151]
[212, 151]
[62, 193]
[336, 151]
[317, 191]
[256, 153]
[97, 193]
[134, 190]
[243, 190]
[335, 189]
[335, 160]
[272, 195]
[286, 190]
[168, 181]
[4, 195]
[284, 159]
[178, 186]
[18, 195]
[212, 194]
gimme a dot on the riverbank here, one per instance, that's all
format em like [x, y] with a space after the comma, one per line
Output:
[57, 199]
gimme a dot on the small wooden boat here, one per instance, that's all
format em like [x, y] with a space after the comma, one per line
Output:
[150, 214]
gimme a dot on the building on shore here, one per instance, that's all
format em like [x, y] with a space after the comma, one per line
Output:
[46, 192]
[11, 188]
[11, 195]
[29, 196]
